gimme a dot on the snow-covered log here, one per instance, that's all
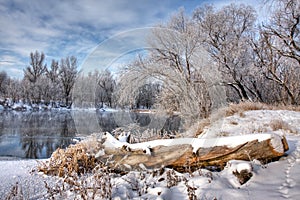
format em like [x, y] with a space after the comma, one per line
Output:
[185, 154]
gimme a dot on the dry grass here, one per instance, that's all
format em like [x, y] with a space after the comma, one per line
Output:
[278, 124]
[75, 159]
[201, 126]
[223, 134]
[241, 107]
[245, 106]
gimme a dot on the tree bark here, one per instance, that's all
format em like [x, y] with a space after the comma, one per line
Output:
[183, 158]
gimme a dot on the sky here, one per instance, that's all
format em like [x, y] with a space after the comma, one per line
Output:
[100, 33]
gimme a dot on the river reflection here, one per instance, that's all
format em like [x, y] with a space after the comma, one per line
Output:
[36, 135]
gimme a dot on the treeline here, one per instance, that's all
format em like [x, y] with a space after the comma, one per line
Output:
[41, 85]
[61, 85]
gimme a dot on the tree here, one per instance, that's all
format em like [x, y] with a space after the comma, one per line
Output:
[278, 52]
[14, 89]
[284, 28]
[33, 74]
[67, 76]
[3, 82]
[36, 68]
[53, 77]
[280, 73]
[172, 63]
[106, 86]
[226, 35]
[147, 95]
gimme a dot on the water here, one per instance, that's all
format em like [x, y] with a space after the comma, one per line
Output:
[35, 135]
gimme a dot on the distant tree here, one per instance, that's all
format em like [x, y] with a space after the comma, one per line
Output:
[53, 72]
[147, 95]
[3, 82]
[84, 90]
[14, 89]
[106, 86]
[54, 82]
[36, 68]
[32, 75]
[67, 76]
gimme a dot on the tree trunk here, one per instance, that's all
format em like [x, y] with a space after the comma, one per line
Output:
[184, 157]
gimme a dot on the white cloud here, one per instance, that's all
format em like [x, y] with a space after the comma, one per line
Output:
[64, 28]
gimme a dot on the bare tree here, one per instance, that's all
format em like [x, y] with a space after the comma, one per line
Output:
[147, 95]
[54, 82]
[36, 68]
[284, 28]
[3, 82]
[14, 89]
[171, 62]
[278, 52]
[226, 35]
[67, 76]
[282, 71]
[33, 74]
[106, 86]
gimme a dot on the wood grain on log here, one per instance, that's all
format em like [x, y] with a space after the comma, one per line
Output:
[183, 157]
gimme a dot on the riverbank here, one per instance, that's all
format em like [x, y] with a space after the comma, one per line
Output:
[275, 180]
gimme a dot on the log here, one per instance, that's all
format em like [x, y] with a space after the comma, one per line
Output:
[190, 154]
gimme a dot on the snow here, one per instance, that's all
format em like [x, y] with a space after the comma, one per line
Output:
[239, 165]
[276, 180]
[196, 143]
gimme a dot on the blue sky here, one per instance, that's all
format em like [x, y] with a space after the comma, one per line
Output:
[80, 27]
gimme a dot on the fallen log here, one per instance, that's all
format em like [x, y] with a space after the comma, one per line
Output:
[189, 154]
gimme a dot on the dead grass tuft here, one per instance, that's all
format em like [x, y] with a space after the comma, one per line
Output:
[279, 124]
[244, 106]
[241, 107]
[74, 159]
[201, 126]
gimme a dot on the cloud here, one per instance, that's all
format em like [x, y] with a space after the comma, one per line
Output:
[65, 28]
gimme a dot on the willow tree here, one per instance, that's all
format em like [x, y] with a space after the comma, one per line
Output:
[172, 61]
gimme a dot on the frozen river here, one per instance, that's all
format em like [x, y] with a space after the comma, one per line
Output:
[35, 135]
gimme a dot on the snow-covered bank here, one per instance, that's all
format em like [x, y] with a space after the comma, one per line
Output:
[276, 180]
[23, 172]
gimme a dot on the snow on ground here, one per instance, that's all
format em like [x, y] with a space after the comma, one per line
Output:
[276, 180]
[22, 172]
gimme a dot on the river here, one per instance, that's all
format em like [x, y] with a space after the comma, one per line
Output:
[35, 135]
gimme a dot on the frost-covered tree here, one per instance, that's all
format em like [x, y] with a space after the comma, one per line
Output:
[37, 67]
[106, 85]
[147, 95]
[226, 34]
[171, 62]
[3, 83]
[284, 28]
[277, 51]
[67, 76]
[32, 75]
[14, 89]
[54, 82]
